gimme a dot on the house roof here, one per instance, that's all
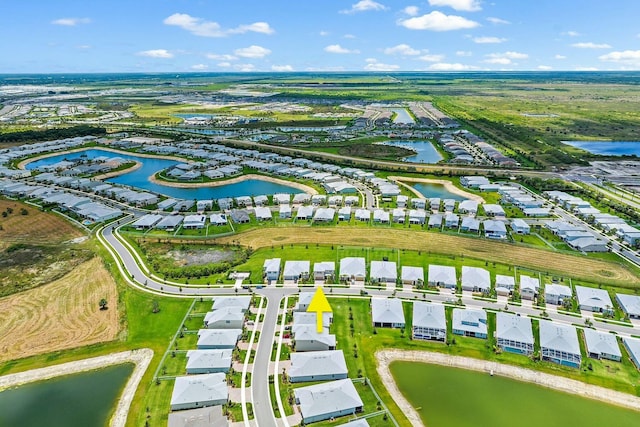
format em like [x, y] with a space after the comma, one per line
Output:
[470, 222]
[209, 358]
[353, 266]
[601, 342]
[630, 303]
[304, 211]
[360, 422]
[383, 270]
[519, 223]
[593, 297]
[232, 301]
[442, 274]
[199, 388]
[468, 205]
[262, 212]
[505, 281]
[309, 318]
[313, 363]
[412, 273]
[428, 315]
[219, 337]
[476, 276]
[529, 282]
[514, 328]
[557, 289]
[469, 320]
[224, 314]
[327, 398]
[633, 345]
[271, 264]
[210, 416]
[324, 266]
[494, 226]
[560, 337]
[324, 214]
[307, 332]
[296, 268]
[148, 220]
[387, 310]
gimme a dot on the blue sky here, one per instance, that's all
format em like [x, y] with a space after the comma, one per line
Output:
[42, 36]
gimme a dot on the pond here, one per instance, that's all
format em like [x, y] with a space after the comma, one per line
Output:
[402, 117]
[425, 152]
[448, 397]
[79, 400]
[436, 190]
[608, 148]
[139, 178]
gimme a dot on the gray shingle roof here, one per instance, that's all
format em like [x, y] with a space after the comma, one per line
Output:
[514, 328]
[428, 315]
[315, 363]
[560, 337]
[199, 388]
[387, 310]
[326, 398]
[601, 342]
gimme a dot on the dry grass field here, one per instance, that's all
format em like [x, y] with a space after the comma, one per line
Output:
[61, 315]
[579, 267]
[34, 228]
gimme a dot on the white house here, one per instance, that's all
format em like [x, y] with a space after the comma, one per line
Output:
[209, 361]
[529, 287]
[555, 293]
[602, 345]
[519, 226]
[194, 222]
[262, 213]
[494, 229]
[383, 271]
[328, 400]
[412, 275]
[442, 276]
[225, 318]
[296, 270]
[307, 338]
[470, 323]
[324, 270]
[317, 366]
[475, 279]
[198, 391]
[241, 301]
[353, 268]
[387, 313]
[514, 333]
[630, 304]
[593, 299]
[271, 268]
[429, 321]
[559, 344]
[211, 339]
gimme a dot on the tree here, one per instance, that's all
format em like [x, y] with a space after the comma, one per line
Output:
[103, 304]
[155, 306]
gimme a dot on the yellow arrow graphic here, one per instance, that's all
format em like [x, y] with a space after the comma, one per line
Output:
[319, 304]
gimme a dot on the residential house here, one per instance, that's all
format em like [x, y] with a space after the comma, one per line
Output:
[317, 366]
[493, 210]
[271, 269]
[147, 221]
[209, 361]
[519, 226]
[470, 224]
[241, 301]
[212, 339]
[429, 321]
[435, 221]
[262, 213]
[494, 229]
[475, 279]
[412, 276]
[442, 276]
[329, 400]
[555, 293]
[353, 269]
[632, 345]
[602, 345]
[284, 211]
[387, 313]
[505, 284]
[417, 217]
[469, 323]
[194, 222]
[514, 333]
[468, 207]
[225, 318]
[296, 270]
[529, 287]
[344, 213]
[383, 271]
[198, 391]
[559, 344]
[304, 213]
[630, 305]
[593, 299]
[451, 220]
[307, 338]
[381, 216]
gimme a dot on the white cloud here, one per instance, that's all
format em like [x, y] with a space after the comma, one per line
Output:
[83, 46]
[336, 48]
[224, 64]
[442, 66]
[349, 36]
[156, 53]
[463, 53]
[488, 40]
[363, 6]
[200, 27]
[324, 33]
[245, 67]
[585, 69]
[374, 65]
[411, 10]
[224, 57]
[504, 58]
[431, 58]
[497, 21]
[401, 49]
[282, 68]
[252, 51]
[437, 21]
[465, 5]
[560, 57]
[590, 45]
[629, 58]
[544, 68]
[336, 68]
[71, 22]
[571, 33]
[199, 67]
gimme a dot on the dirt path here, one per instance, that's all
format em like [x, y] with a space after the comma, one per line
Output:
[299, 186]
[141, 358]
[385, 357]
[448, 185]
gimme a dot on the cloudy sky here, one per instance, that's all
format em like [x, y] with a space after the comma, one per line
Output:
[317, 35]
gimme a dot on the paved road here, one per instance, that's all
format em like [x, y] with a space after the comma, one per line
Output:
[262, 405]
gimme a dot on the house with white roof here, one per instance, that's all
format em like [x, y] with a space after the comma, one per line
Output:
[194, 222]
[262, 213]
[435, 221]
[493, 210]
[304, 299]
[588, 244]
[218, 219]
[412, 276]
[469, 322]
[381, 216]
[271, 269]
[398, 215]
[602, 345]
[494, 229]
[147, 221]
[387, 313]
[418, 203]
[307, 338]
[514, 333]
[418, 217]
[429, 321]
[401, 201]
[630, 305]
[225, 318]
[324, 215]
[170, 222]
[442, 276]
[505, 284]
[353, 268]
[209, 361]
[324, 270]
[383, 271]
[593, 299]
[470, 224]
[559, 344]
[451, 220]
[475, 279]
[212, 339]
[519, 226]
[555, 293]
[198, 391]
[304, 213]
[284, 211]
[241, 301]
[211, 416]
[468, 207]
[344, 213]
[317, 366]
[296, 270]
[529, 287]
[328, 400]
[632, 345]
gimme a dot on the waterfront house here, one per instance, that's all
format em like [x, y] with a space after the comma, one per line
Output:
[197, 391]
[514, 333]
[317, 366]
[559, 344]
[429, 321]
[602, 345]
[387, 313]
[326, 401]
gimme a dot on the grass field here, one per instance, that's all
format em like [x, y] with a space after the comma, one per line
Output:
[60, 315]
[577, 266]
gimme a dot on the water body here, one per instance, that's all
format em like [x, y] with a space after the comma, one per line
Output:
[195, 115]
[608, 148]
[447, 397]
[436, 190]
[402, 117]
[425, 151]
[79, 400]
[311, 128]
[139, 178]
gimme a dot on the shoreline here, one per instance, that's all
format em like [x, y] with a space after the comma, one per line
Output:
[108, 175]
[558, 383]
[299, 186]
[448, 185]
[140, 358]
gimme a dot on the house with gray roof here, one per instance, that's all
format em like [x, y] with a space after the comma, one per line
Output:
[198, 391]
[493, 210]
[469, 323]
[211, 416]
[241, 301]
[529, 287]
[212, 339]
[412, 276]
[225, 318]
[147, 221]
[324, 270]
[435, 221]
[519, 226]
[209, 361]
[304, 213]
[468, 207]
[310, 318]
[505, 284]
[329, 400]
[381, 216]
[555, 293]
[632, 345]
[630, 304]
[494, 229]
[218, 219]
[417, 217]
[304, 299]
[429, 321]
[383, 271]
[317, 366]
[451, 220]
[442, 276]
[470, 224]
[602, 345]
[296, 270]
[387, 313]
[169, 222]
[475, 279]
[588, 244]
[514, 333]
[594, 299]
[353, 268]
[271, 269]
[559, 344]
[307, 338]
[194, 222]
[240, 216]
[262, 213]
[324, 215]
[344, 213]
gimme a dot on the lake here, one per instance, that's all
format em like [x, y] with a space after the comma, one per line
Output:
[452, 397]
[436, 190]
[425, 151]
[608, 148]
[79, 400]
[139, 178]
[402, 117]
